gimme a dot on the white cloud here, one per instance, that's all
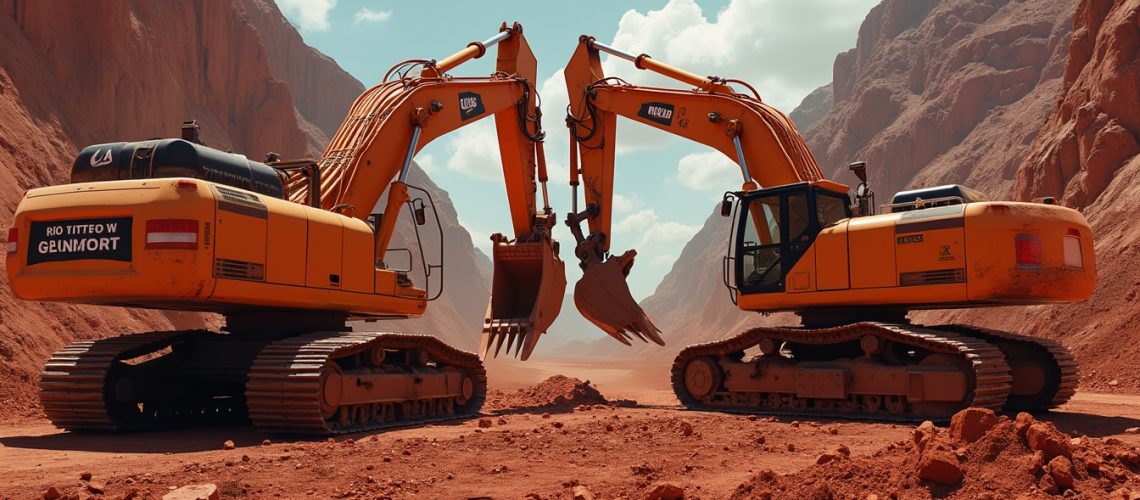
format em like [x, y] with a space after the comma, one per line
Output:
[763, 42]
[650, 231]
[624, 204]
[709, 171]
[310, 15]
[475, 151]
[664, 262]
[427, 162]
[667, 233]
[366, 15]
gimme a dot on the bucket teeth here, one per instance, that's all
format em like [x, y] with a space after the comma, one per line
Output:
[504, 339]
[603, 297]
[527, 290]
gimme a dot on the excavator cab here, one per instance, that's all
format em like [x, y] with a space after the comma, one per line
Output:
[774, 227]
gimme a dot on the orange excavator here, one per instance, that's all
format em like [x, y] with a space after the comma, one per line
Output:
[288, 252]
[798, 243]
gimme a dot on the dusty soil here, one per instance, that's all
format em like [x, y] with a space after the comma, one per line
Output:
[536, 448]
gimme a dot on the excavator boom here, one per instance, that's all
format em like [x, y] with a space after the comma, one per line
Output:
[711, 113]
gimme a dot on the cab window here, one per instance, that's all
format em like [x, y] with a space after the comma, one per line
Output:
[830, 209]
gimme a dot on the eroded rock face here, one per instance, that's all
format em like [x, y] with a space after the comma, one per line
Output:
[1094, 130]
[938, 92]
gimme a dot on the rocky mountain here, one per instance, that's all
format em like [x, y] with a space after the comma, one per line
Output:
[78, 73]
[951, 91]
[813, 108]
[987, 93]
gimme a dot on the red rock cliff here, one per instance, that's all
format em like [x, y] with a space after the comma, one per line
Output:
[77, 73]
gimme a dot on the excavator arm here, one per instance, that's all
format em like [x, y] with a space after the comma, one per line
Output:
[372, 152]
[759, 138]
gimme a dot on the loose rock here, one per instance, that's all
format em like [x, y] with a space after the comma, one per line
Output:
[941, 467]
[971, 424]
[484, 423]
[1044, 437]
[228, 445]
[1022, 423]
[582, 493]
[924, 434]
[827, 457]
[51, 494]
[666, 491]
[1062, 471]
[686, 428]
[206, 491]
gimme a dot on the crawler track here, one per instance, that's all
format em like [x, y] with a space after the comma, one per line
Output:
[284, 388]
[988, 375]
[1055, 360]
[110, 385]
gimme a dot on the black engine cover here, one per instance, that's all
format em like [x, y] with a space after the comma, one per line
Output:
[174, 158]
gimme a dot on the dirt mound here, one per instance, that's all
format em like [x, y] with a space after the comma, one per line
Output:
[1010, 458]
[557, 392]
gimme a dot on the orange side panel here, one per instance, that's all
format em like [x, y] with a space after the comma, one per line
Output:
[323, 264]
[802, 276]
[241, 228]
[359, 257]
[831, 259]
[871, 243]
[285, 259]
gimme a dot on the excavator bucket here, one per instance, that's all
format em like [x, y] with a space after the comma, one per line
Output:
[526, 296]
[603, 297]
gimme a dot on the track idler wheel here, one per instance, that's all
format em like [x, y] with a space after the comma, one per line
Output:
[702, 378]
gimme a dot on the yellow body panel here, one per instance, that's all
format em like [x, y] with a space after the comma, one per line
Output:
[955, 256]
[871, 254]
[248, 254]
[832, 273]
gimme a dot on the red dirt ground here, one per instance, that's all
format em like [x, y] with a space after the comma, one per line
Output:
[531, 448]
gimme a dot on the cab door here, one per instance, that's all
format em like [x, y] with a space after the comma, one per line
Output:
[777, 230]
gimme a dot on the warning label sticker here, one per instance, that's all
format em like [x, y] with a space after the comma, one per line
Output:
[105, 239]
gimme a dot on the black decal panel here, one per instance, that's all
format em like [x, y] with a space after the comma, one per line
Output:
[657, 112]
[103, 239]
[470, 105]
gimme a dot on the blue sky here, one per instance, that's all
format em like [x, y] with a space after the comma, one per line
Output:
[666, 186]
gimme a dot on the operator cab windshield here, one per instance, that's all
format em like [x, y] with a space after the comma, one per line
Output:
[776, 227]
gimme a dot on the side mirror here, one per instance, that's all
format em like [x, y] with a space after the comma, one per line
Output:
[726, 205]
[859, 168]
[417, 206]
